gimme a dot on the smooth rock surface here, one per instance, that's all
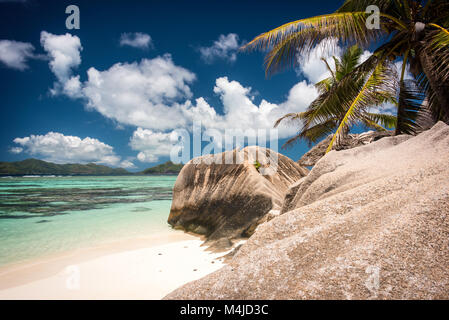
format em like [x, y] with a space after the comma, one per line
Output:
[228, 200]
[368, 223]
[351, 141]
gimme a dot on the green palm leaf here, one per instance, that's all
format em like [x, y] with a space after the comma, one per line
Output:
[378, 85]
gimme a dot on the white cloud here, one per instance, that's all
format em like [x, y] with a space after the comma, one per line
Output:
[311, 65]
[152, 145]
[154, 95]
[224, 48]
[366, 54]
[16, 150]
[127, 164]
[240, 112]
[136, 40]
[142, 94]
[14, 54]
[64, 52]
[73, 87]
[58, 148]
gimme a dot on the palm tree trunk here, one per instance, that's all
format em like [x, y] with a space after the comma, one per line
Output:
[441, 90]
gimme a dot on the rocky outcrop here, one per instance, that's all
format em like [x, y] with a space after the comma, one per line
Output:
[351, 141]
[228, 201]
[366, 223]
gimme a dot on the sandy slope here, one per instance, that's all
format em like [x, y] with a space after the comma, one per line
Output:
[144, 273]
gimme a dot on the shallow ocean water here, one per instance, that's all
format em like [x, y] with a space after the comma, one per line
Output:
[45, 215]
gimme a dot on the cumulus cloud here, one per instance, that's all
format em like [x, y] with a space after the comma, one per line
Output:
[154, 95]
[152, 145]
[64, 53]
[16, 150]
[143, 94]
[15, 54]
[72, 87]
[224, 48]
[136, 40]
[312, 67]
[58, 148]
[241, 112]
[127, 164]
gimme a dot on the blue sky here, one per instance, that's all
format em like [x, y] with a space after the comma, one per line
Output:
[114, 90]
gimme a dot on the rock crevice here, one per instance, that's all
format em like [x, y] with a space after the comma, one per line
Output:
[222, 200]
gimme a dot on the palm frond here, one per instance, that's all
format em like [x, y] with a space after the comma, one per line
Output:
[350, 59]
[441, 38]
[301, 36]
[372, 124]
[346, 26]
[313, 134]
[328, 67]
[378, 84]
[432, 103]
[385, 120]
[324, 85]
[437, 45]
[290, 117]
[409, 104]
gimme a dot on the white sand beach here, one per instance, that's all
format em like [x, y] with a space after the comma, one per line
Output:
[136, 269]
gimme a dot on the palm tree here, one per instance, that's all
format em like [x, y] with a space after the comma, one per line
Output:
[412, 30]
[329, 110]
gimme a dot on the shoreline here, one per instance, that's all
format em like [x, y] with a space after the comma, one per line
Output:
[138, 268]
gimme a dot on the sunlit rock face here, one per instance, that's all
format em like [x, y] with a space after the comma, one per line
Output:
[351, 141]
[366, 223]
[222, 200]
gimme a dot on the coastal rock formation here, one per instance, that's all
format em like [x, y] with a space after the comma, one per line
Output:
[228, 200]
[366, 223]
[351, 141]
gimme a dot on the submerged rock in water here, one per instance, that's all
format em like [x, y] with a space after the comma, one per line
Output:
[43, 221]
[366, 223]
[228, 200]
[351, 141]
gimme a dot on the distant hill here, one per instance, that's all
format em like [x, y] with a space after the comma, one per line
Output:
[165, 168]
[39, 167]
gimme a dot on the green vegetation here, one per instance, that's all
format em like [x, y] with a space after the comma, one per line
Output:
[164, 168]
[257, 165]
[328, 111]
[414, 31]
[39, 167]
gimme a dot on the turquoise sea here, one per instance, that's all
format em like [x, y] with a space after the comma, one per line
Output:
[46, 215]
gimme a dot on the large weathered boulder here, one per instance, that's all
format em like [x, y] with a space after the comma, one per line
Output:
[228, 200]
[351, 141]
[369, 222]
